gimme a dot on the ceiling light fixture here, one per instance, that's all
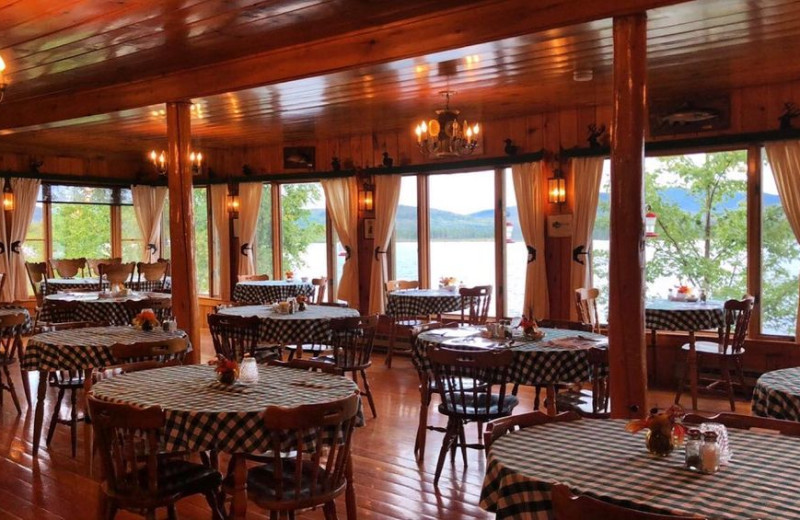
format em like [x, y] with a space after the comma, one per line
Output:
[446, 136]
[160, 163]
[582, 75]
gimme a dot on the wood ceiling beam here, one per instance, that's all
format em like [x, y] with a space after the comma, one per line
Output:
[473, 23]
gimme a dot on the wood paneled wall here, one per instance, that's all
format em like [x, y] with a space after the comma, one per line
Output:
[115, 168]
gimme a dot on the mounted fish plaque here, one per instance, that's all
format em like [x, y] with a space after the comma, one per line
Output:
[687, 117]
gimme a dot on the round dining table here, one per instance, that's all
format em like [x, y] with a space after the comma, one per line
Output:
[422, 302]
[78, 350]
[202, 414]
[777, 394]
[268, 291]
[58, 285]
[598, 457]
[97, 306]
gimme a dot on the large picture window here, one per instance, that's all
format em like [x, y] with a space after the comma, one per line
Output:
[303, 244]
[81, 221]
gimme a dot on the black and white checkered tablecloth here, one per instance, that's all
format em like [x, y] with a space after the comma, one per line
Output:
[56, 285]
[268, 291]
[94, 308]
[690, 316]
[309, 326]
[599, 458]
[422, 302]
[76, 349]
[8, 310]
[535, 362]
[777, 394]
[203, 415]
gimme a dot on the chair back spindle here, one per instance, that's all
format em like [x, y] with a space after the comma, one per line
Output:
[475, 304]
[234, 336]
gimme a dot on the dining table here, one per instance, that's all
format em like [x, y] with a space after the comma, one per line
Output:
[777, 394]
[57, 285]
[559, 357]
[422, 302]
[689, 316]
[599, 458]
[311, 325]
[80, 349]
[268, 291]
[203, 414]
[97, 306]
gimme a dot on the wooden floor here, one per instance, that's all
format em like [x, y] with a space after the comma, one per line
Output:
[388, 480]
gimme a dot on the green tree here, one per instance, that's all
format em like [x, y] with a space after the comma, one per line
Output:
[297, 229]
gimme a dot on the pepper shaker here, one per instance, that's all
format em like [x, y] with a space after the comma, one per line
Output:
[693, 444]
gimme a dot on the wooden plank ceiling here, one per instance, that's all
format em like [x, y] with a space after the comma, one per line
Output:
[703, 46]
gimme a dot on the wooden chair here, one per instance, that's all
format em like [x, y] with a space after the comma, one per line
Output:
[161, 350]
[93, 264]
[352, 340]
[401, 325]
[37, 274]
[312, 473]
[136, 478]
[253, 277]
[586, 305]
[162, 307]
[725, 354]
[567, 506]
[594, 404]
[10, 345]
[311, 365]
[235, 336]
[499, 427]
[116, 274]
[151, 277]
[747, 422]
[320, 284]
[483, 401]
[68, 267]
[475, 304]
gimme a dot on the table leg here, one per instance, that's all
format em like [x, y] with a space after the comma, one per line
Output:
[239, 498]
[551, 400]
[350, 492]
[38, 417]
[299, 353]
[693, 369]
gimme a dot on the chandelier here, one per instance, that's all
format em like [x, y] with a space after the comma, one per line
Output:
[446, 136]
[159, 161]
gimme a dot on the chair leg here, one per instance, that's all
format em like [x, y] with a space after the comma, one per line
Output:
[726, 373]
[11, 390]
[213, 503]
[537, 396]
[462, 440]
[449, 438]
[54, 419]
[368, 393]
[390, 349]
[480, 433]
[422, 428]
[171, 514]
[329, 510]
[683, 375]
[73, 422]
[291, 354]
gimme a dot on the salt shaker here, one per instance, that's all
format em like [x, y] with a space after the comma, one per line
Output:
[693, 444]
[248, 373]
[709, 453]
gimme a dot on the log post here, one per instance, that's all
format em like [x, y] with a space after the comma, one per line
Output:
[627, 359]
[181, 224]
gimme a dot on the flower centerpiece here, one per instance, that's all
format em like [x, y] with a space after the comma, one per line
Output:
[289, 275]
[227, 370]
[146, 320]
[530, 329]
[682, 293]
[448, 282]
[664, 428]
[301, 302]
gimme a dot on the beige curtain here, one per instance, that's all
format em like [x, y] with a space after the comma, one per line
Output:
[249, 204]
[222, 251]
[148, 203]
[341, 196]
[387, 195]
[529, 185]
[25, 193]
[5, 251]
[784, 158]
[587, 173]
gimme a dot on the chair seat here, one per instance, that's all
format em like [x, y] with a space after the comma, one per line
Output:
[178, 477]
[313, 348]
[262, 484]
[709, 348]
[581, 402]
[469, 409]
[332, 360]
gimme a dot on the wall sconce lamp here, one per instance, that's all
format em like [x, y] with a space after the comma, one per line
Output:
[557, 188]
[368, 197]
[233, 201]
[159, 161]
[3, 83]
[196, 160]
[8, 196]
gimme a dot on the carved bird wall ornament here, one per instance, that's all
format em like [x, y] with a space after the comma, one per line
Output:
[790, 111]
[510, 148]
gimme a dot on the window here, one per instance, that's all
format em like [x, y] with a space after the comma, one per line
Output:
[131, 234]
[405, 249]
[81, 221]
[303, 244]
[516, 252]
[600, 243]
[34, 248]
[202, 254]
[264, 234]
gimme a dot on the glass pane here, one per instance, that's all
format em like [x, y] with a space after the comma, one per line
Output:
[264, 233]
[599, 254]
[166, 245]
[125, 196]
[81, 194]
[406, 246]
[780, 261]
[516, 253]
[701, 205]
[462, 229]
[132, 242]
[81, 230]
[201, 238]
[33, 247]
[303, 230]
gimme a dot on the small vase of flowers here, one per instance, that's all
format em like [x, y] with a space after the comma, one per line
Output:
[227, 370]
[664, 430]
[530, 330]
[146, 320]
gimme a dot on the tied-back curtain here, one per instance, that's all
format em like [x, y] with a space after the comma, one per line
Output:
[25, 193]
[249, 204]
[387, 195]
[148, 203]
[5, 251]
[219, 214]
[587, 173]
[784, 158]
[529, 188]
[341, 196]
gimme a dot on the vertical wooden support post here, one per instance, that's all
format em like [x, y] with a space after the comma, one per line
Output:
[500, 241]
[754, 230]
[181, 224]
[627, 360]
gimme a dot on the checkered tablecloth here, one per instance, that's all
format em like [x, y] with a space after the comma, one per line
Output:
[202, 415]
[76, 349]
[269, 291]
[690, 316]
[8, 310]
[422, 302]
[777, 394]
[94, 308]
[599, 458]
[56, 285]
[535, 362]
[309, 326]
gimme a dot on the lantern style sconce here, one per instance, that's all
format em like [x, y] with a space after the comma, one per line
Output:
[233, 202]
[8, 196]
[557, 188]
[368, 197]
[650, 223]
